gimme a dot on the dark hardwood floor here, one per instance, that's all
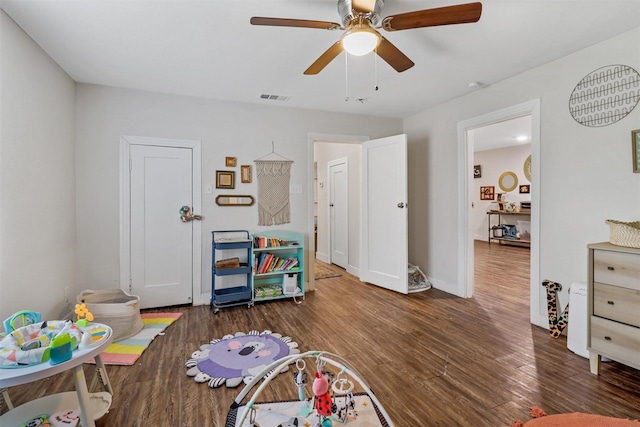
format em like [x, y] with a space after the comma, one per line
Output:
[431, 358]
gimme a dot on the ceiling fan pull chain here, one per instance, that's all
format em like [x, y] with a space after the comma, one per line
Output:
[375, 68]
[346, 77]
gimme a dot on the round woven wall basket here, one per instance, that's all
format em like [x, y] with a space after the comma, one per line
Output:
[624, 233]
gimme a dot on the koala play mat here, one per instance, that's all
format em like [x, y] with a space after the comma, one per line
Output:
[238, 357]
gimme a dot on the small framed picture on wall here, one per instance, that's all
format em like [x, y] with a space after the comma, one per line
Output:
[487, 193]
[477, 171]
[225, 179]
[635, 147]
[245, 174]
[525, 189]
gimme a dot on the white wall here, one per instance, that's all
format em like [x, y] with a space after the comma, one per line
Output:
[323, 153]
[585, 172]
[241, 130]
[494, 163]
[37, 178]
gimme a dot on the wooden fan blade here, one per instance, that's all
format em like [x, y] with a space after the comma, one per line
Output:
[459, 14]
[284, 22]
[393, 56]
[325, 58]
[364, 6]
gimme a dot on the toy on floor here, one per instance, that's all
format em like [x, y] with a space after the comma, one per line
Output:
[337, 398]
[556, 323]
[59, 419]
[65, 418]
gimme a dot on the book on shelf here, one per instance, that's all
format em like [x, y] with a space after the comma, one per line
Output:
[262, 242]
[264, 265]
[293, 264]
[267, 263]
[267, 291]
[231, 240]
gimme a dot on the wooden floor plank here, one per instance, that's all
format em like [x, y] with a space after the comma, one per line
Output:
[432, 359]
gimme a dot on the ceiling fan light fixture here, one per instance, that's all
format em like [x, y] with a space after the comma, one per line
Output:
[360, 41]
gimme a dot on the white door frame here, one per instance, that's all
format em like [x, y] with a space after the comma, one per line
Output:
[538, 303]
[312, 138]
[125, 236]
[330, 164]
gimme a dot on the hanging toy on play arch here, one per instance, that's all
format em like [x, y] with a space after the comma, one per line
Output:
[323, 403]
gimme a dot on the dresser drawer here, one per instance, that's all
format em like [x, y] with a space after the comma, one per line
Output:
[616, 303]
[616, 268]
[620, 342]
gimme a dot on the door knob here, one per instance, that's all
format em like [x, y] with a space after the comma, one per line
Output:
[187, 216]
[401, 205]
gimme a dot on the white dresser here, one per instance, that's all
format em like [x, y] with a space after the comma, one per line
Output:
[613, 305]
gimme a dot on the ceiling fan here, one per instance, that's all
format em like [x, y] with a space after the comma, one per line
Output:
[361, 20]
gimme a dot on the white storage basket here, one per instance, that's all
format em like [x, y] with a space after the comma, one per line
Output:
[624, 233]
[116, 308]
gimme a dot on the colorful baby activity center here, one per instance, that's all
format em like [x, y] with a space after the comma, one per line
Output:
[32, 349]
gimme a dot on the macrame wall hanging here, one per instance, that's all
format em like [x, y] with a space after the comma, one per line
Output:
[274, 173]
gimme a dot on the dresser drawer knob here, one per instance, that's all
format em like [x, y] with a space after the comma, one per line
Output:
[610, 268]
[607, 338]
[610, 302]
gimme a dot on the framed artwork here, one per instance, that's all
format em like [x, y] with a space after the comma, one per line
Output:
[477, 171]
[233, 200]
[635, 146]
[487, 193]
[245, 173]
[225, 179]
[525, 189]
[230, 162]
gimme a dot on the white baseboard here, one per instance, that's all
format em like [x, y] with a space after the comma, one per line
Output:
[322, 257]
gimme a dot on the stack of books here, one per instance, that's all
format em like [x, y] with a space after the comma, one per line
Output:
[265, 263]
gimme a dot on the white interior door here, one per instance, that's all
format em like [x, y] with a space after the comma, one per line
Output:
[161, 244]
[339, 212]
[384, 234]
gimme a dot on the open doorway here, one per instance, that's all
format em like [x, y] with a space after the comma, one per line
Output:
[466, 201]
[337, 203]
[324, 148]
[501, 206]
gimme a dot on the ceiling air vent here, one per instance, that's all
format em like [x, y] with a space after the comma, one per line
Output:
[274, 97]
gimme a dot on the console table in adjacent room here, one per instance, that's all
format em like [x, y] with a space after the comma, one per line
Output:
[500, 214]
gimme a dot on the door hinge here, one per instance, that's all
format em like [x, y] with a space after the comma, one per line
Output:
[130, 285]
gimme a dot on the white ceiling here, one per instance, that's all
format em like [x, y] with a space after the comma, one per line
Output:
[507, 133]
[208, 49]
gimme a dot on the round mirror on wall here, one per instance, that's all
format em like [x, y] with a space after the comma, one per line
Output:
[527, 168]
[508, 181]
